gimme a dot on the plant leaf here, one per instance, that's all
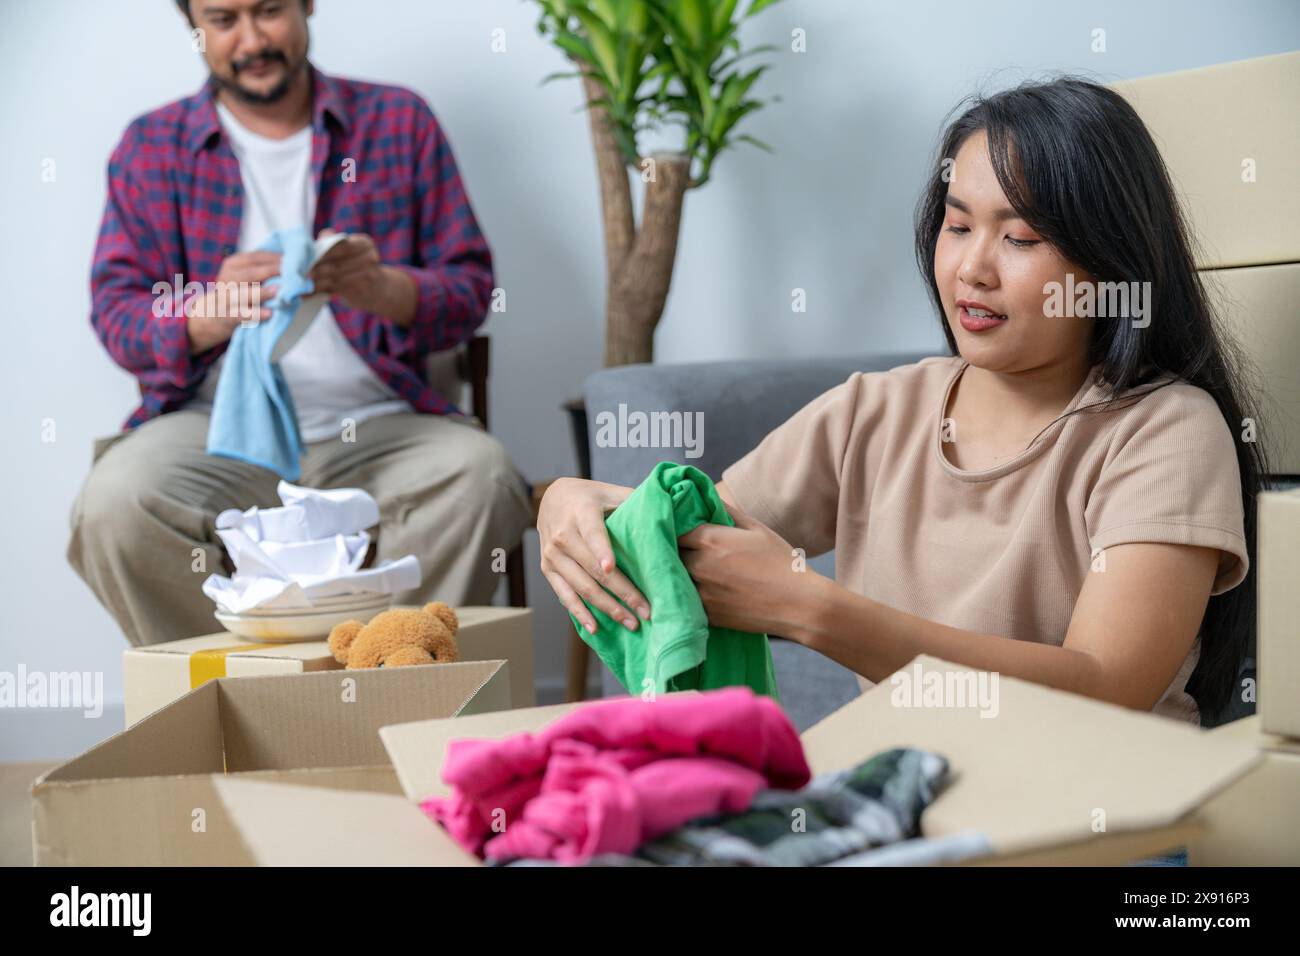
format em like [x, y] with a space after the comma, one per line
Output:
[608, 11]
[695, 22]
[578, 48]
[557, 76]
[602, 42]
[758, 6]
[746, 138]
[722, 14]
[726, 65]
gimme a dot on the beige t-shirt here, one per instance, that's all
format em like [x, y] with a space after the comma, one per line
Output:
[1005, 550]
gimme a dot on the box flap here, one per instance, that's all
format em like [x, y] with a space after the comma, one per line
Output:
[1251, 730]
[162, 821]
[417, 749]
[332, 718]
[501, 633]
[286, 825]
[182, 739]
[1049, 768]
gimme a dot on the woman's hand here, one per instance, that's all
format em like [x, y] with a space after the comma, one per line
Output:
[576, 555]
[749, 577]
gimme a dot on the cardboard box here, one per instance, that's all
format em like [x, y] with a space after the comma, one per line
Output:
[1038, 779]
[1257, 305]
[146, 796]
[156, 675]
[1278, 637]
[1256, 821]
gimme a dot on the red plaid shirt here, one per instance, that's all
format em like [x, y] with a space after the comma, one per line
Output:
[381, 166]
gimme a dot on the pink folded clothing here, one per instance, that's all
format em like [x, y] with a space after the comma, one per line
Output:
[613, 774]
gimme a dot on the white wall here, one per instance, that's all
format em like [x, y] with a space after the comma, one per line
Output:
[829, 213]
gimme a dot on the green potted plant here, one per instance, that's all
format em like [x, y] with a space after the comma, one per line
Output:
[644, 65]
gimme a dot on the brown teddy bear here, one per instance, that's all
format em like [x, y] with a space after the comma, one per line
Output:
[397, 638]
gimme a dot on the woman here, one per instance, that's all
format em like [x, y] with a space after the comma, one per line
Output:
[1067, 499]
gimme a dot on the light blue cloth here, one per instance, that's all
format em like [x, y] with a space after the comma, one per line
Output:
[253, 418]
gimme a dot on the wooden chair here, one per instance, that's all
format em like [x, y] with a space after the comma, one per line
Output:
[469, 366]
[449, 373]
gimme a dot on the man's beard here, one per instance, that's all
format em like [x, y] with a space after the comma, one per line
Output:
[274, 94]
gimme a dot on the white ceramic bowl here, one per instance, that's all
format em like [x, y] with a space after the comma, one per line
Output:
[361, 600]
[299, 625]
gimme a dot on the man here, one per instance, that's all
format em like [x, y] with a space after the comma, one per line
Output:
[193, 187]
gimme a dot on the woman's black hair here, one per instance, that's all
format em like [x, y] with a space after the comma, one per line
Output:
[1079, 166]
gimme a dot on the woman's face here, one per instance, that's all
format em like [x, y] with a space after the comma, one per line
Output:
[988, 257]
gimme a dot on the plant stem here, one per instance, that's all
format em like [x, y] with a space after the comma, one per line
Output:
[639, 260]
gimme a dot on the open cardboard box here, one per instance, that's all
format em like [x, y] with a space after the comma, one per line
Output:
[147, 797]
[1052, 778]
[1256, 821]
[157, 674]
[1278, 637]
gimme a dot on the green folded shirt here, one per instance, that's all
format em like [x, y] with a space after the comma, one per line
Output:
[676, 649]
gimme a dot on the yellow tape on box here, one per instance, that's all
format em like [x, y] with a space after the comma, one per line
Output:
[207, 664]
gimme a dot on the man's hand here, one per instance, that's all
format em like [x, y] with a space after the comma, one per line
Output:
[747, 576]
[234, 298]
[352, 270]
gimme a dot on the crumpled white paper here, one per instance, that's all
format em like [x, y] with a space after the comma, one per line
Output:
[311, 548]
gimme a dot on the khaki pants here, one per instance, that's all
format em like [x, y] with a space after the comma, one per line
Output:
[143, 524]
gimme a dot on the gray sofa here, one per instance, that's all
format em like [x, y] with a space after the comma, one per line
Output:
[741, 402]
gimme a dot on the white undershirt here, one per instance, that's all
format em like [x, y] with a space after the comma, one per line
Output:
[328, 380]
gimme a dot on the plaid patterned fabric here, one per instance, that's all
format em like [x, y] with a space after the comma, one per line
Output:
[877, 802]
[381, 166]
[867, 815]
